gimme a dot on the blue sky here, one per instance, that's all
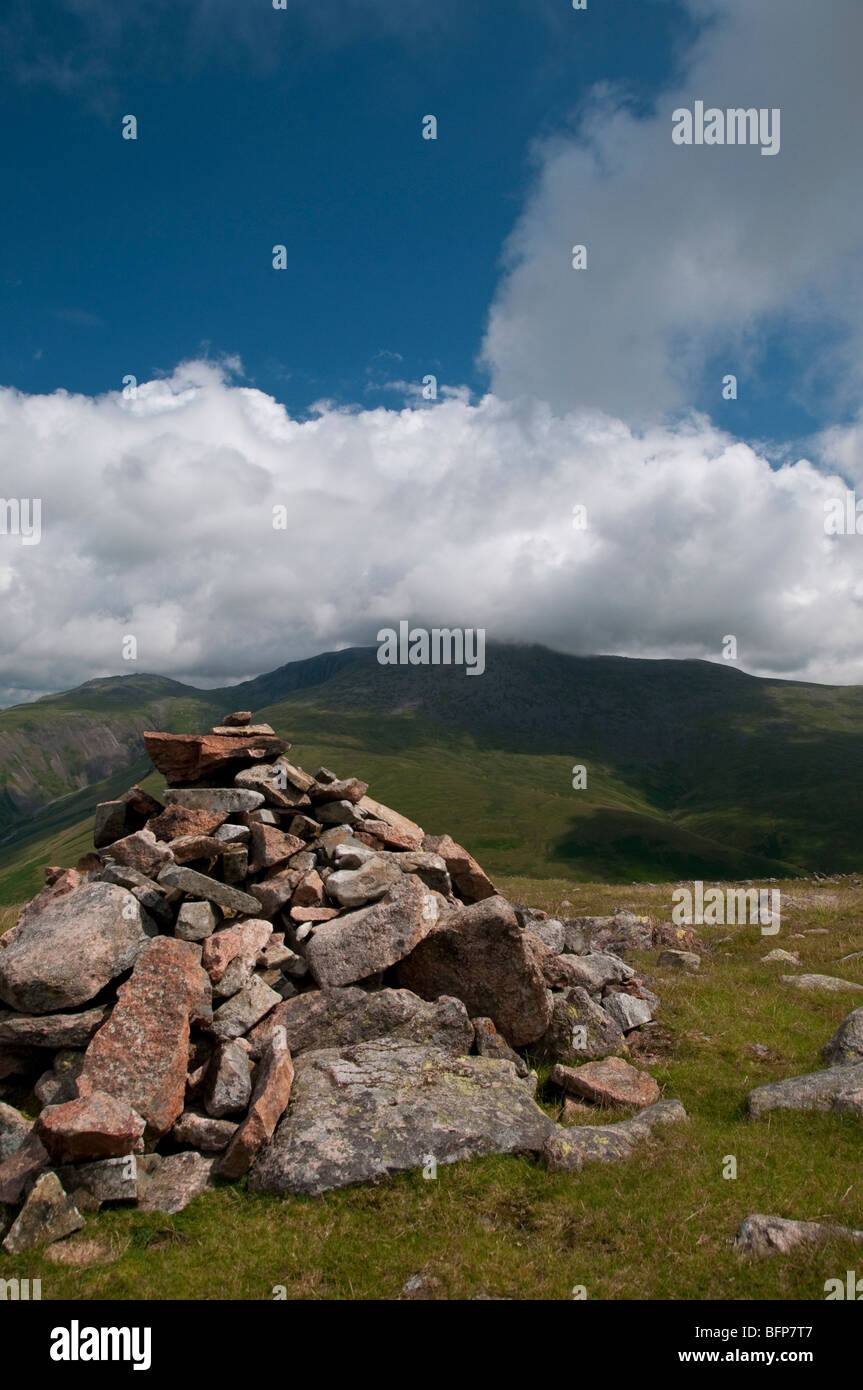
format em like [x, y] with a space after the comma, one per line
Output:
[261, 389]
[123, 256]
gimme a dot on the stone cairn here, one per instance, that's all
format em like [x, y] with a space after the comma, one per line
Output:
[271, 974]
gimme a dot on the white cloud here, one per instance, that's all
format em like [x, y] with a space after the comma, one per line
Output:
[157, 522]
[701, 250]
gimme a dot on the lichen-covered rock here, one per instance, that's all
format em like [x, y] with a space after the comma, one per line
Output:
[52, 1030]
[846, 1045]
[272, 1091]
[774, 1235]
[170, 1184]
[228, 1086]
[337, 1017]
[94, 1126]
[568, 1149]
[359, 1113]
[14, 1130]
[65, 955]
[580, 1031]
[141, 1053]
[818, 1090]
[611, 1081]
[48, 1214]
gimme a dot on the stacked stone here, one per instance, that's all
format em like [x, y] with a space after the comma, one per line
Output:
[267, 972]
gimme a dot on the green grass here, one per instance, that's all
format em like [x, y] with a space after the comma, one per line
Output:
[659, 1226]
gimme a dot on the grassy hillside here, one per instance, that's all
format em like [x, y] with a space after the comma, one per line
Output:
[694, 769]
[658, 1226]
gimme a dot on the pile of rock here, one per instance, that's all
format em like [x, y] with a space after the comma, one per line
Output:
[269, 973]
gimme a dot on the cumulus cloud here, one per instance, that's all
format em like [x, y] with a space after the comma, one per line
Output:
[697, 253]
[157, 522]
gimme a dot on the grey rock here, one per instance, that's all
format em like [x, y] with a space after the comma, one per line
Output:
[846, 1045]
[67, 953]
[680, 960]
[829, 983]
[202, 886]
[360, 1113]
[47, 1215]
[356, 887]
[14, 1130]
[489, 1043]
[816, 1091]
[569, 1148]
[52, 1030]
[21, 1167]
[60, 1084]
[228, 1086]
[172, 1183]
[227, 800]
[849, 1102]
[244, 1010]
[339, 813]
[195, 921]
[551, 934]
[580, 1031]
[574, 941]
[109, 822]
[105, 1180]
[596, 970]
[339, 1017]
[232, 834]
[627, 1010]
[354, 946]
[774, 1235]
[203, 1132]
[353, 855]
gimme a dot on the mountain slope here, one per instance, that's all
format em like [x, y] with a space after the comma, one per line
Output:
[694, 769]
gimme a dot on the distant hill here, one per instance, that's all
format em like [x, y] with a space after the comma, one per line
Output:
[694, 769]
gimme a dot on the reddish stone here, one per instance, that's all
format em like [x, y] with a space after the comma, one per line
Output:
[21, 1167]
[269, 1101]
[378, 835]
[352, 789]
[141, 1053]
[470, 882]
[141, 802]
[189, 757]
[378, 811]
[97, 1125]
[140, 851]
[273, 892]
[188, 848]
[609, 1082]
[58, 883]
[271, 847]
[310, 891]
[238, 718]
[243, 941]
[175, 822]
[313, 914]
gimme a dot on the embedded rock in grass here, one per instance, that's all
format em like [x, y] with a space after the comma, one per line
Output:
[680, 960]
[846, 1045]
[359, 1113]
[21, 1167]
[568, 1149]
[338, 1017]
[66, 954]
[818, 1090]
[170, 1184]
[97, 1125]
[360, 943]
[774, 1235]
[829, 983]
[580, 1030]
[141, 1053]
[611, 1081]
[48, 1214]
[480, 955]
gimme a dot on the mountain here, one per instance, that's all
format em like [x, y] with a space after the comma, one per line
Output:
[694, 769]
